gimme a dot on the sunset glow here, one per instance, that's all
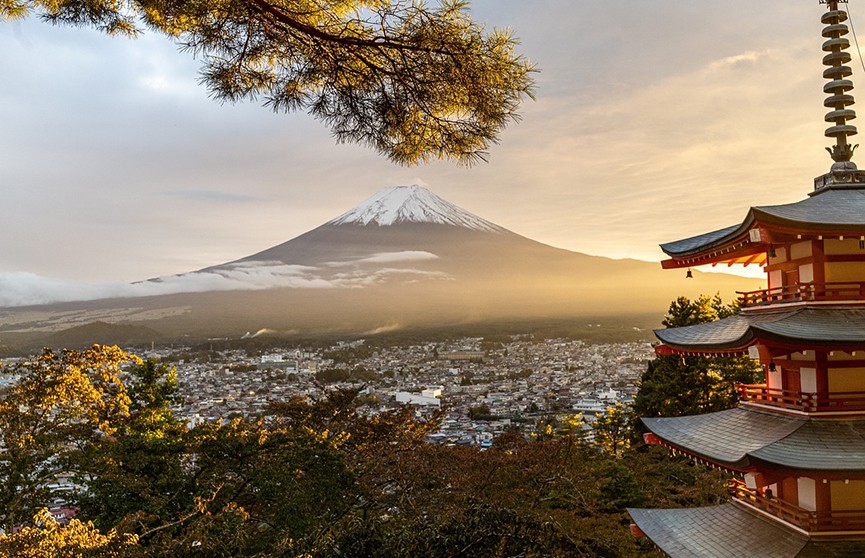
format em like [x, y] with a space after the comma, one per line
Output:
[653, 121]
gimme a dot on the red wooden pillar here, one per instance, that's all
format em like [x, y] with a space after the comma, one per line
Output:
[819, 265]
[824, 499]
[822, 360]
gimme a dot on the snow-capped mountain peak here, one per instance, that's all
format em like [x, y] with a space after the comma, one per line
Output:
[411, 204]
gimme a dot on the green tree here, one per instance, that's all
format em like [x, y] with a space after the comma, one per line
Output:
[618, 487]
[685, 312]
[332, 375]
[259, 485]
[411, 81]
[137, 476]
[678, 385]
[321, 478]
[481, 412]
[283, 485]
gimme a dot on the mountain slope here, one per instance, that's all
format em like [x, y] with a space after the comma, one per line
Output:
[402, 258]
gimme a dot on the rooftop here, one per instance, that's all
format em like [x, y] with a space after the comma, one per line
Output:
[740, 438]
[805, 327]
[832, 211]
[735, 532]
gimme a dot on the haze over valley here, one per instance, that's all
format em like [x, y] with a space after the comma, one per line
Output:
[404, 258]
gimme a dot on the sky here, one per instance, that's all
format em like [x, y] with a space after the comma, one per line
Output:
[654, 121]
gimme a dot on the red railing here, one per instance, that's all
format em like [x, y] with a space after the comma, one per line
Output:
[842, 401]
[779, 508]
[811, 521]
[804, 292]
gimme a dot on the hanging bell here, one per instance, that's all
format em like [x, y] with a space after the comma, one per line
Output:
[772, 252]
[689, 275]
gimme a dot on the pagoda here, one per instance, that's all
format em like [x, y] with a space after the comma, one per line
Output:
[795, 444]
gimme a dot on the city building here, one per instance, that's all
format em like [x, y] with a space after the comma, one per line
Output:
[796, 443]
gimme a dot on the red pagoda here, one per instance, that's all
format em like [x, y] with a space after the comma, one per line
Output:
[795, 444]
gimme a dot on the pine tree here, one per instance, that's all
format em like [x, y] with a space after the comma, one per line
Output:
[411, 81]
[678, 385]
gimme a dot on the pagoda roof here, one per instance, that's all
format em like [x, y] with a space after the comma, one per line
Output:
[838, 209]
[808, 326]
[729, 531]
[702, 242]
[740, 438]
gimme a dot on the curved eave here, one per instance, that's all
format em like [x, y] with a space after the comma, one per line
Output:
[819, 445]
[665, 349]
[724, 438]
[742, 438]
[738, 252]
[713, 247]
[733, 334]
[803, 328]
[839, 212]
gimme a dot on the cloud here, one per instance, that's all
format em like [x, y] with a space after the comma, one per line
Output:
[25, 289]
[28, 289]
[393, 257]
[383, 329]
[263, 331]
[738, 59]
[363, 278]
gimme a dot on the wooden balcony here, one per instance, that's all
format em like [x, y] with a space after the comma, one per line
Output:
[810, 521]
[836, 402]
[805, 292]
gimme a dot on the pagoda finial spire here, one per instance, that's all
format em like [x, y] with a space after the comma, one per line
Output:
[837, 88]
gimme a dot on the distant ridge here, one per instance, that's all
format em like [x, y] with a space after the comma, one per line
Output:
[102, 333]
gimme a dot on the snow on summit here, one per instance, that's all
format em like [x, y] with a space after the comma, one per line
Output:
[412, 204]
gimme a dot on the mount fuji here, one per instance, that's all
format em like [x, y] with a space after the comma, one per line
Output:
[403, 258]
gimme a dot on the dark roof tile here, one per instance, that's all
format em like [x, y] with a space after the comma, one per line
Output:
[736, 437]
[815, 324]
[727, 436]
[833, 549]
[726, 531]
[836, 445]
[702, 241]
[835, 209]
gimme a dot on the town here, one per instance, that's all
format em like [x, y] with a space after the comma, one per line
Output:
[482, 387]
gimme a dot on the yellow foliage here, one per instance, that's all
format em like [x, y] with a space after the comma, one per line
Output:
[60, 397]
[49, 539]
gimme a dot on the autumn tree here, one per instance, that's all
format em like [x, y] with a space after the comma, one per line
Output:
[281, 485]
[411, 81]
[61, 401]
[677, 385]
[612, 431]
[48, 539]
[316, 477]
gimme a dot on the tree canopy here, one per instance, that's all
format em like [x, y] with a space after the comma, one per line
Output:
[677, 385]
[311, 478]
[413, 82]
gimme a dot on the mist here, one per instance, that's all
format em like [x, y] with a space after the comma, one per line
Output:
[28, 289]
